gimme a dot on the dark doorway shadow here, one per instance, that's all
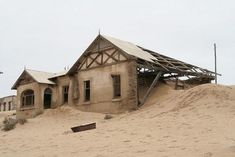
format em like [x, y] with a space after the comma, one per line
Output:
[47, 98]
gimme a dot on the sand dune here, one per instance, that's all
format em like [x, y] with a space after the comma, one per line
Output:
[198, 122]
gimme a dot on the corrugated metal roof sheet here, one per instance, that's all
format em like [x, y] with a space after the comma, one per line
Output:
[159, 60]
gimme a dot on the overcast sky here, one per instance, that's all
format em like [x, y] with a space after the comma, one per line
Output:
[48, 35]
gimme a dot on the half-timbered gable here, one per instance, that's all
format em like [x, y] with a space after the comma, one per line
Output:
[101, 53]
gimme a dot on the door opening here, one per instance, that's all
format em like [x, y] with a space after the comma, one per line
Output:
[47, 98]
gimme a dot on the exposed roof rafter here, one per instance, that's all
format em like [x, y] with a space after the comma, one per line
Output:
[150, 59]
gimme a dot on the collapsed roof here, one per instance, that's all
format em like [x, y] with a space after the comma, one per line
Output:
[151, 60]
[145, 58]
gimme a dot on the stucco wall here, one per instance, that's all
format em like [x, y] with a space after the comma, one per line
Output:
[61, 82]
[28, 112]
[38, 107]
[102, 88]
[101, 91]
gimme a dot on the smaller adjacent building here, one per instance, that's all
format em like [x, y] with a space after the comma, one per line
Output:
[8, 103]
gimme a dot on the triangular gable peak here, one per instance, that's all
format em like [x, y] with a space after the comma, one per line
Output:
[101, 52]
[29, 76]
[25, 78]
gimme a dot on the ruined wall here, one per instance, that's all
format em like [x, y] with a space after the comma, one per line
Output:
[8, 103]
[60, 83]
[74, 93]
[38, 107]
[30, 111]
[102, 88]
[133, 86]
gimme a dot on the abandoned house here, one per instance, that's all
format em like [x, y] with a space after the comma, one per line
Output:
[106, 78]
[8, 103]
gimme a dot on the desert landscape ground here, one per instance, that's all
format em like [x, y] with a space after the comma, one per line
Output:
[198, 122]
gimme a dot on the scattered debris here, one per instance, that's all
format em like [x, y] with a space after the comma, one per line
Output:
[108, 116]
[84, 127]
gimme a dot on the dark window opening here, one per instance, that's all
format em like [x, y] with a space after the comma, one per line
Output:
[66, 93]
[9, 106]
[4, 106]
[87, 91]
[27, 98]
[116, 86]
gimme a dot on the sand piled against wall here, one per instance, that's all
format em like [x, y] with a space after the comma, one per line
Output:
[197, 122]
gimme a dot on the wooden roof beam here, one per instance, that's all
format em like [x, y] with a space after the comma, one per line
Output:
[157, 55]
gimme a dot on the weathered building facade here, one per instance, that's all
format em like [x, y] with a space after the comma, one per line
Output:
[8, 103]
[106, 78]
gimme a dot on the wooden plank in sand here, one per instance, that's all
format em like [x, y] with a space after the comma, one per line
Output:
[84, 127]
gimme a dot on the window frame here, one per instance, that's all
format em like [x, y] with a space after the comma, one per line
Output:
[65, 94]
[117, 92]
[87, 89]
[26, 98]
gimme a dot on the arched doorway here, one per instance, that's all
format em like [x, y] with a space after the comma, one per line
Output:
[47, 98]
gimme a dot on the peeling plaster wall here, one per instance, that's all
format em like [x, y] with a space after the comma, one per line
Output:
[38, 107]
[102, 88]
[6, 100]
[31, 111]
[61, 82]
[101, 91]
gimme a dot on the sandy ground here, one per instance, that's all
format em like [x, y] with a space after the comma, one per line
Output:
[6, 113]
[199, 122]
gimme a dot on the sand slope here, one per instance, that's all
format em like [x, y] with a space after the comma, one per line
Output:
[199, 122]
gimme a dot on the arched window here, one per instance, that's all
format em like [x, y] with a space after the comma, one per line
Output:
[27, 98]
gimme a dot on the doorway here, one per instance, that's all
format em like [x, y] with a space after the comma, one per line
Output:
[47, 98]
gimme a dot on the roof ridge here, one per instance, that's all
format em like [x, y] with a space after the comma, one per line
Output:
[39, 71]
[61, 73]
[118, 39]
